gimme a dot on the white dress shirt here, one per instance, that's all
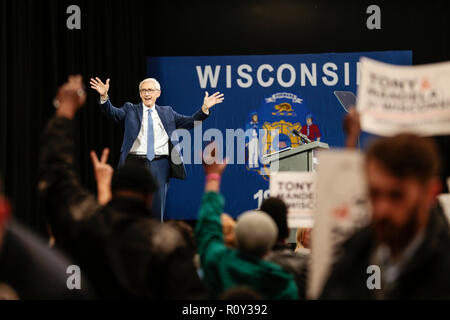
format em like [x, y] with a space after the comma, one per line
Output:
[161, 139]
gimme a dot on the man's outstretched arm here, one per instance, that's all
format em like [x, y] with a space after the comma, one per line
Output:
[116, 114]
[187, 122]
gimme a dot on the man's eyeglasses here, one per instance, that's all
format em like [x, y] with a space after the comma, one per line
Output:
[148, 90]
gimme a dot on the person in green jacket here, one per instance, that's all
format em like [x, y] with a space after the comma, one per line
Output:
[225, 268]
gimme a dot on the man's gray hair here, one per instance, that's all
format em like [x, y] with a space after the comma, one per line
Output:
[156, 83]
[256, 233]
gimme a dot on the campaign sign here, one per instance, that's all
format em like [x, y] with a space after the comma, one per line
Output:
[342, 209]
[298, 191]
[394, 99]
[267, 99]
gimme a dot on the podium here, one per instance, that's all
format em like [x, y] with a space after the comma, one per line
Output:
[301, 158]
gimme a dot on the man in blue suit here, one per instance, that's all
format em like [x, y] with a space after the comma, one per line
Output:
[150, 134]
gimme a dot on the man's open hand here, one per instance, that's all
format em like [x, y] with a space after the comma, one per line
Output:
[100, 87]
[210, 101]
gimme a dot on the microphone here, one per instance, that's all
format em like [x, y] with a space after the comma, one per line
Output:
[302, 136]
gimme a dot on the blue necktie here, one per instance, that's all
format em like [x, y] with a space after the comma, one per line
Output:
[150, 137]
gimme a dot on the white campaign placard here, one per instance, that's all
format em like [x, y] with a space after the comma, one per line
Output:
[396, 99]
[342, 209]
[298, 191]
[444, 200]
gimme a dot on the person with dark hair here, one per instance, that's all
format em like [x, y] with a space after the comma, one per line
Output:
[187, 233]
[122, 250]
[277, 210]
[256, 232]
[295, 263]
[408, 239]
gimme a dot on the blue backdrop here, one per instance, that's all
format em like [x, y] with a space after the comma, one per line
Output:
[280, 89]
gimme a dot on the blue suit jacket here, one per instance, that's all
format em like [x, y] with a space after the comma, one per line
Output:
[131, 115]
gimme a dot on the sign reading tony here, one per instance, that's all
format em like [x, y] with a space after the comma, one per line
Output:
[298, 191]
[394, 99]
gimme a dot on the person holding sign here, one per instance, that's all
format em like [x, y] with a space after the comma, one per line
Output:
[150, 133]
[404, 252]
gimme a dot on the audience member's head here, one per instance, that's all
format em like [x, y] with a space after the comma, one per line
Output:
[303, 238]
[240, 293]
[134, 180]
[402, 185]
[277, 210]
[229, 232]
[187, 233]
[256, 233]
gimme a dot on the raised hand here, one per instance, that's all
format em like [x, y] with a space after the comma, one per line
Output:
[213, 166]
[352, 127]
[103, 175]
[210, 101]
[100, 87]
[212, 163]
[70, 97]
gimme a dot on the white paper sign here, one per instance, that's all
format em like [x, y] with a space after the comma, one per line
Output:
[298, 191]
[396, 99]
[444, 200]
[342, 209]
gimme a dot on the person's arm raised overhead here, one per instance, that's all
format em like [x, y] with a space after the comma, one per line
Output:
[352, 128]
[211, 101]
[187, 122]
[63, 197]
[208, 232]
[117, 114]
[100, 87]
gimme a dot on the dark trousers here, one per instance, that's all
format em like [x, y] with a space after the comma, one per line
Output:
[160, 169]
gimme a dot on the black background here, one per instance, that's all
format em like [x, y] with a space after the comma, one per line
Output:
[37, 52]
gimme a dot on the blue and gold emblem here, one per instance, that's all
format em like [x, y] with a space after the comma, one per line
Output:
[270, 128]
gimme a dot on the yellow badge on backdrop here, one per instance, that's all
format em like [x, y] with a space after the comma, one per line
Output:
[282, 128]
[271, 129]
